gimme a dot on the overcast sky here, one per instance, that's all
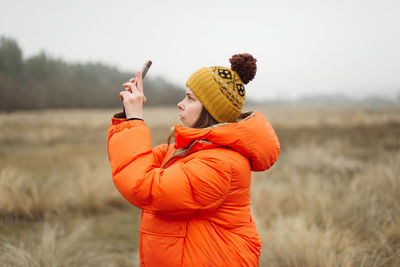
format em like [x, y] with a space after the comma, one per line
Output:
[302, 47]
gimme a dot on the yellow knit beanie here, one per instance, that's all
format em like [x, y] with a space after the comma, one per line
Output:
[221, 90]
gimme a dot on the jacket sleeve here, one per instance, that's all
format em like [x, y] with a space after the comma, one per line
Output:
[187, 188]
[159, 153]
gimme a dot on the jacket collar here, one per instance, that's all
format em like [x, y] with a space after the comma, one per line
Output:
[252, 136]
[185, 136]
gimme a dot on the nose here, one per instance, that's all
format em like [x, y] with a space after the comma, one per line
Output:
[180, 105]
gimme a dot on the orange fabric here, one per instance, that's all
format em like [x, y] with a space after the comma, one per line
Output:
[195, 197]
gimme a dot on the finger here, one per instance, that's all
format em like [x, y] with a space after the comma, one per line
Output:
[139, 81]
[127, 87]
[132, 86]
[127, 84]
[132, 80]
[121, 96]
[124, 94]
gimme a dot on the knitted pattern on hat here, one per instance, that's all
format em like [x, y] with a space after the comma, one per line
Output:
[220, 90]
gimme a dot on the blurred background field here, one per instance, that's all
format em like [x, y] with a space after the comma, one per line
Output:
[332, 199]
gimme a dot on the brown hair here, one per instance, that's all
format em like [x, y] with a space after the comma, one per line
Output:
[205, 120]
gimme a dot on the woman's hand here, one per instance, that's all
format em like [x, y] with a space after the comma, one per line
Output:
[133, 97]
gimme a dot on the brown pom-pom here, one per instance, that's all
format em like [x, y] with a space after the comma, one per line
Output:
[245, 65]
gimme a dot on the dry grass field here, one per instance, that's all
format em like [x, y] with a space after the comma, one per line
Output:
[332, 199]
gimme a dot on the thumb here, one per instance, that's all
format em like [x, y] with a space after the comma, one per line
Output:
[121, 95]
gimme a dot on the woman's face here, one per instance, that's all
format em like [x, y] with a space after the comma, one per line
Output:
[190, 108]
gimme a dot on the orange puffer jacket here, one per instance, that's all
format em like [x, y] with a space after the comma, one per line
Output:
[195, 195]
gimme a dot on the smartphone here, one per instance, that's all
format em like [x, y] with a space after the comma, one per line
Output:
[144, 70]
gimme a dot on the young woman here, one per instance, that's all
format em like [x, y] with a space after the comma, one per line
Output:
[195, 193]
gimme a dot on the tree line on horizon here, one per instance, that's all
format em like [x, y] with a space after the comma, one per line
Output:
[42, 82]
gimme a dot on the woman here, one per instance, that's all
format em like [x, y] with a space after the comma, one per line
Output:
[195, 193]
